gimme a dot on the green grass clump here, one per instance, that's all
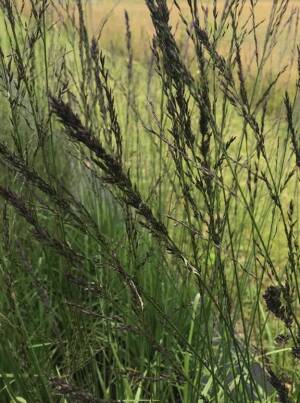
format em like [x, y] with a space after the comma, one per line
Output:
[149, 210]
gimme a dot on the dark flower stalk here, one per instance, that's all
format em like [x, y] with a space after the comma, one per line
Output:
[61, 247]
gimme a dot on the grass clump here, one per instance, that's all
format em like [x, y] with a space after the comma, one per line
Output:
[150, 240]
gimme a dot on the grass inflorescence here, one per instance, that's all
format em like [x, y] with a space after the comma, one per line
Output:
[149, 245]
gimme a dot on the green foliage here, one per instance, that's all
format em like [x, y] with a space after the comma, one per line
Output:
[149, 211]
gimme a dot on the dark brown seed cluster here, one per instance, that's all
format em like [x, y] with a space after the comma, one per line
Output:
[274, 297]
[279, 385]
[296, 352]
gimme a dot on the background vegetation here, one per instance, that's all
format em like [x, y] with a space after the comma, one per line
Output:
[149, 201]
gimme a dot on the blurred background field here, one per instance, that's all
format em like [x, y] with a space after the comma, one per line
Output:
[108, 16]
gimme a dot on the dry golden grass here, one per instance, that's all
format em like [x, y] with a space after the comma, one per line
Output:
[111, 14]
[140, 19]
[107, 16]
